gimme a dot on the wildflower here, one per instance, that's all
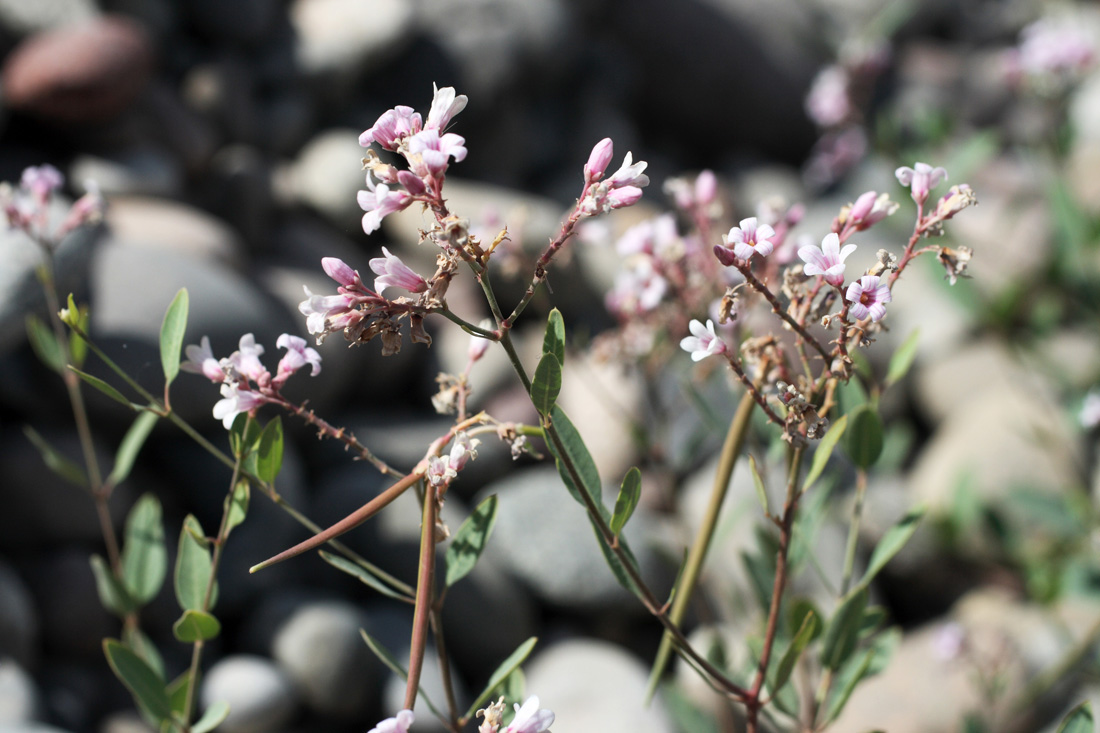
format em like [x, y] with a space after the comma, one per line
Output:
[297, 356]
[478, 344]
[392, 127]
[869, 209]
[200, 360]
[1053, 50]
[638, 289]
[703, 342]
[750, 238]
[828, 261]
[322, 312]
[445, 105]
[246, 360]
[441, 471]
[623, 188]
[42, 181]
[398, 724]
[955, 200]
[492, 716]
[828, 103]
[430, 152]
[921, 179]
[379, 202]
[530, 718]
[340, 271]
[598, 160]
[236, 400]
[392, 271]
[868, 297]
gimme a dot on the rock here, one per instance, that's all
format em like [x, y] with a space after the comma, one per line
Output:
[594, 686]
[224, 91]
[148, 170]
[545, 540]
[22, 18]
[239, 190]
[344, 38]
[18, 621]
[160, 223]
[320, 649]
[78, 74]
[260, 695]
[327, 175]
[19, 701]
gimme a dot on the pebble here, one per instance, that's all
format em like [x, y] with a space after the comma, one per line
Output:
[79, 74]
[261, 696]
[18, 620]
[19, 697]
[327, 175]
[23, 18]
[346, 37]
[147, 169]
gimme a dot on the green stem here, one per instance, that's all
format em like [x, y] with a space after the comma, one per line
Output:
[853, 532]
[731, 449]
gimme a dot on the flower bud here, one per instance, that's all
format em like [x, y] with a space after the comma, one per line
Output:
[598, 160]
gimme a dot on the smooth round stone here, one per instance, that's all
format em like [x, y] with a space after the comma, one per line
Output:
[261, 696]
[345, 37]
[595, 686]
[160, 223]
[327, 176]
[22, 18]
[18, 619]
[77, 74]
[19, 698]
[321, 650]
[145, 169]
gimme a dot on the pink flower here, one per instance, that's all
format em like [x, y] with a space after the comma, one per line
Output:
[441, 471]
[598, 160]
[42, 181]
[445, 105]
[296, 357]
[340, 271]
[379, 202]
[392, 127]
[868, 298]
[398, 724]
[246, 360]
[828, 103]
[200, 360]
[623, 188]
[235, 401]
[530, 719]
[321, 311]
[703, 342]
[750, 238]
[435, 151]
[828, 261]
[1054, 47]
[921, 179]
[638, 289]
[869, 209]
[479, 345]
[392, 271]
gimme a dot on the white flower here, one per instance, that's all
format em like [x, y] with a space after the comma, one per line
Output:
[703, 342]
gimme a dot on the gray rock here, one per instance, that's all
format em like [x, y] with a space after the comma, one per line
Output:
[261, 696]
[148, 170]
[344, 38]
[327, 175]
[594, 686]
[19, 699]
[22, 18]
[159, 223]
[18, 620]
[544, 538]
[320, 649]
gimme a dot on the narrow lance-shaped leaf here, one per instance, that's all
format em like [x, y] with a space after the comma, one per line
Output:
[859, 667]
[236, 505]
[892, 543]
[143, 682]
[269, 454]
[514, 660]
[553, 341]
[364, 576]
[758, 482]
[577, 452]
[102, 386]
[902, 359]
[387, 658]
[824, 450]
[864, 437]
[843, 630]
[470, 540]
[131, 445]
[195, 626]
[144, 554]
[212, 717]
[171, 335]
[112, 593]
[805, 634]
[44, 344]
[546, 384]
[194, 567]
[1079, 720]
[629, 494]
[54, 459]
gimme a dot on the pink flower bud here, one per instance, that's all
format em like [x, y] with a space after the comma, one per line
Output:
[598, 160]
[339, 271]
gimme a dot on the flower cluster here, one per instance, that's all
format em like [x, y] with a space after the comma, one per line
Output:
[246, 384]
[1053, 52]
[441, 471]
[27, 207]
[529, 718]
[623, 188]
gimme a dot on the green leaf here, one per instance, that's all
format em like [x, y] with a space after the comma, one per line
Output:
[177, 695]
[144, 554]
[824, 450]
[195, 626]
[235, 505]
[194, 568]
[892, 543]
[843, 630]
[269, 458]
[78, 316]
[388, 659]
[685, 713]
[903, 359]
[212, 717]
[171, 335]
[613, 561]
[577, 452]
[761, 492]
[144, 683]
[863, 440]
[629, 494]
[846, 682]
[140, 644]
[797, 611]
[806, 633]
[553, 341]
[501, 673]
[54, 460]
[470, 540]
[364, 575]
[547, 384]
[131, 445]
[102, 386]
[44, 344]
[244, 433]
[1079, 720]
[112, 593]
